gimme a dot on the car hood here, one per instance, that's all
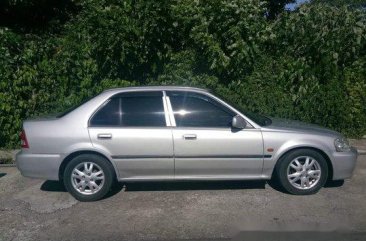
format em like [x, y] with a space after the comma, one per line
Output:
[298, 126]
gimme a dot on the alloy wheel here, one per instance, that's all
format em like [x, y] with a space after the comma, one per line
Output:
[304, 172]
[87, 178]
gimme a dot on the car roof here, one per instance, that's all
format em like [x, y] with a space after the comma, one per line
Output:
[157, 88]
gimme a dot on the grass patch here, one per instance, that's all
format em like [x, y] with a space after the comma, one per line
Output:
[6, 160]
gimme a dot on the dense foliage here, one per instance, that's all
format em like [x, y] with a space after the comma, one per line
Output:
[309, 64]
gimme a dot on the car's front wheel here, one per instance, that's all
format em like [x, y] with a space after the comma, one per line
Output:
[302, 171]
[88, 177]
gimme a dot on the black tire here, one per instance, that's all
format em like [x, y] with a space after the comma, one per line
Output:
[282, 168]
[102, 163]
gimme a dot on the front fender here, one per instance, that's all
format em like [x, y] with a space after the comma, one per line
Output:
[282, 143]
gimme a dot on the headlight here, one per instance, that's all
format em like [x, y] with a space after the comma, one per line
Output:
[341, 144]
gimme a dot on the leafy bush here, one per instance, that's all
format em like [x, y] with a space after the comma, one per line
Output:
[309, 64]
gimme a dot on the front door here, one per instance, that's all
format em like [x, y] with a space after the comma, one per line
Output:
[132, 127]
[205, 145]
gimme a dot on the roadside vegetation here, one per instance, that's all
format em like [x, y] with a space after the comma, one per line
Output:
[308, 64]
[6, 157]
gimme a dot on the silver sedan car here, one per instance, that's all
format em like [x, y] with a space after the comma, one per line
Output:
[177, 133]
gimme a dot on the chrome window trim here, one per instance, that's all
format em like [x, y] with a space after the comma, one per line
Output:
[166, 112]
[171, 113]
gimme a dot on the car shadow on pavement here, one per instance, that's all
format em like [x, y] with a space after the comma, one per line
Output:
[53, 186]
[329, 184]
[2, 174]
[192, 185]
[56, 186]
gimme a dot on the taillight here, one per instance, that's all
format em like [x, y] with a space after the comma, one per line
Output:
[23, 139]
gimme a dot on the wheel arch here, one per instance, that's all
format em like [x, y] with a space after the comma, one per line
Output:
[321, 152]
[70, 156]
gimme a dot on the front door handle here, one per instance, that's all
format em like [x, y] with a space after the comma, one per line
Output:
[105, 136]
[190, 137]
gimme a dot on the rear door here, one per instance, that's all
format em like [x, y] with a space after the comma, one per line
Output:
[132, 127]
[206, 146]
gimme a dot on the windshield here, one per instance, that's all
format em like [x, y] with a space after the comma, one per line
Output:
[257, 118]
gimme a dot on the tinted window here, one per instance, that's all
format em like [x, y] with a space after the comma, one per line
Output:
[132, 109]
[196, 110]
[108, 115]
[143, 111]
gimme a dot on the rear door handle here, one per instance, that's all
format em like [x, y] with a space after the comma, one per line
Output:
[190, 137]
[105, 136]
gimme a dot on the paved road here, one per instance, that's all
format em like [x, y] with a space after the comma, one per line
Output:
[33, 209]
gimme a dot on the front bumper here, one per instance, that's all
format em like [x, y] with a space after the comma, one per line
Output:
[344, 163]
[43, 166]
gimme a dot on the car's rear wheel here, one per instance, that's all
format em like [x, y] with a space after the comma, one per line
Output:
[88, 177]
[302, 171]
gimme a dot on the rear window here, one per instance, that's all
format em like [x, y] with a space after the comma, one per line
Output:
[132, 109]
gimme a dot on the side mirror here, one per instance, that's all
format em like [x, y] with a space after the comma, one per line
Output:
[238, 122]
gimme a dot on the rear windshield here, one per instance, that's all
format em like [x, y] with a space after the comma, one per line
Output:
[70, 109]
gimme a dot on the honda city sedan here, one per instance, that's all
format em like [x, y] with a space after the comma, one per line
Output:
[174, 134]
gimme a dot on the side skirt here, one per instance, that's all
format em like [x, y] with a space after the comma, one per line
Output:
[195, 178]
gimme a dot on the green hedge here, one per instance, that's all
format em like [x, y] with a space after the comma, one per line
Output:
[309, 64]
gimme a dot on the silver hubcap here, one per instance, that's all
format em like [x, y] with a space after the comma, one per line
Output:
[87, 178]
[303, 172]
